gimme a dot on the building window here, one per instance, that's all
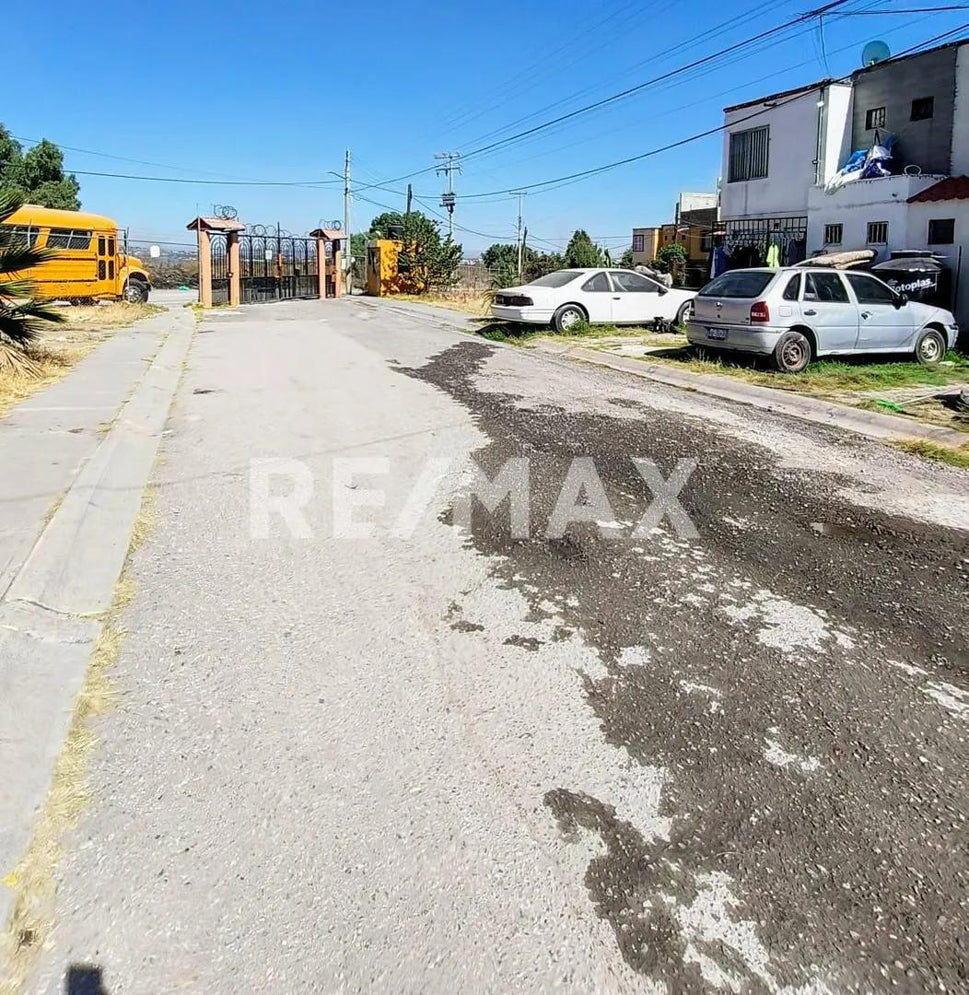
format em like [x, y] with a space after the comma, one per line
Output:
[875, 118]
[639, 243]
[923, 108]
[942, 231]
[833, 234]
[877, 232]
[748, 154]
[706, 242]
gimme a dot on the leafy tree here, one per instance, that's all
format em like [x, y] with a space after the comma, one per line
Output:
[443, 265]
[541, 264]
[582, 251]
[37, 176]
[626, 259]
[21, 317]
[358, 244]
[501, 259]
[424, 260]
[670, 259]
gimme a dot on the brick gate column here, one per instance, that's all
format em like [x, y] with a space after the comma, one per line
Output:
[205, 268]
[321, 267]
[235, 282]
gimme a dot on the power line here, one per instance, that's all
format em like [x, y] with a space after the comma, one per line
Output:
[693, 138]
[810, 15]
[313, 184]
[902, 10]
[512, 88]
[119, 158]
[679, 71]
[713, 69]
[662, 55]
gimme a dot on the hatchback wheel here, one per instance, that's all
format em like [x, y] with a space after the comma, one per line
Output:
[567, 316]
[792, 352]
[930, 348]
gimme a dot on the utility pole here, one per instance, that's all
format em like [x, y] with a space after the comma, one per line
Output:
[520, 194]
[347, 266]
[450, 167]
[410, 196]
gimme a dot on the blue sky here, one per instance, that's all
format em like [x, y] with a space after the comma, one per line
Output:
[286, 87]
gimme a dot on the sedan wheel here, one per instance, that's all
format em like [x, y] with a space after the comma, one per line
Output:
[685, 314]
[930, 348]
[792, 353]
[567, 316]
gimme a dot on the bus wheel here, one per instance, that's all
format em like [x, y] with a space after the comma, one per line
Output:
[135, 292]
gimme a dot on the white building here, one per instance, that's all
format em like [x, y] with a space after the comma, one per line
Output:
[781, 152]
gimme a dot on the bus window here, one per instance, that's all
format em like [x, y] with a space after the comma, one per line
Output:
[110, 269]
[100, 269]
[69, 238]
[111, 247]
[24, 234]
[101, 244]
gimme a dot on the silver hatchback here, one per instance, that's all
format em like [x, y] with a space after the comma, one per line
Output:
[797, 314]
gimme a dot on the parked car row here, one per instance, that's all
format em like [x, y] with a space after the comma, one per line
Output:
[793, 314]
[598, 296]
[797, 314]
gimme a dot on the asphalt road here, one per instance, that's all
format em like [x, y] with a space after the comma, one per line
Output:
[449, 757]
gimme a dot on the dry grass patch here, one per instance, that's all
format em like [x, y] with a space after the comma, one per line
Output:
[822, 378]
[933, 451]
[63, 346]
[460, 299]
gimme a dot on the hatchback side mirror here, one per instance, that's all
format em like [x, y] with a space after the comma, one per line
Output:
[901, 300]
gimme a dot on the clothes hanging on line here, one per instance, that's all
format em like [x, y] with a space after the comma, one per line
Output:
[773, 256]
[720, 260]
[795, 251]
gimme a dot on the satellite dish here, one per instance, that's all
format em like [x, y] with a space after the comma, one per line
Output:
[875, 52]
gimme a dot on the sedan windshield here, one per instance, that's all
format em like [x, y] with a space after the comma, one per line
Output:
[558, 279]
[739, 283]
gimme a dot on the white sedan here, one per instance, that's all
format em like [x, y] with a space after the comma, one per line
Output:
[599, 296]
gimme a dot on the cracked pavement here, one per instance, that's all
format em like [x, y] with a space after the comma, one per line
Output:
[441, 758]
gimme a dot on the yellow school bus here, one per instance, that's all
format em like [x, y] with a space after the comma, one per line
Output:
[90, 262]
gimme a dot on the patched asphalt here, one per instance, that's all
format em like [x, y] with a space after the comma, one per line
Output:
[855, 854]
[452, 759]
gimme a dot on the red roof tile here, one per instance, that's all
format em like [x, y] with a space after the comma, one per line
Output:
[954, 188]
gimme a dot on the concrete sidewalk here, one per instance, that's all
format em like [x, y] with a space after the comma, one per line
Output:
[78, 456]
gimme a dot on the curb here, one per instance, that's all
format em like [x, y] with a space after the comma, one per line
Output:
[884, 427]
[829, 413]
[53, 611]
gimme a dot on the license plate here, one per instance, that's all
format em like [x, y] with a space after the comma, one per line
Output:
[716, 333]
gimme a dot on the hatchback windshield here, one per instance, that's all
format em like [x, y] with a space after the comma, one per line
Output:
[739, 283]
[557, 279]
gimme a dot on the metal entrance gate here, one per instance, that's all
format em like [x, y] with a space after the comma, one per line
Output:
[220, 270]
[275, 265]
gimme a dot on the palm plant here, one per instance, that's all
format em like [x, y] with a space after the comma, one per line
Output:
[21, 317]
